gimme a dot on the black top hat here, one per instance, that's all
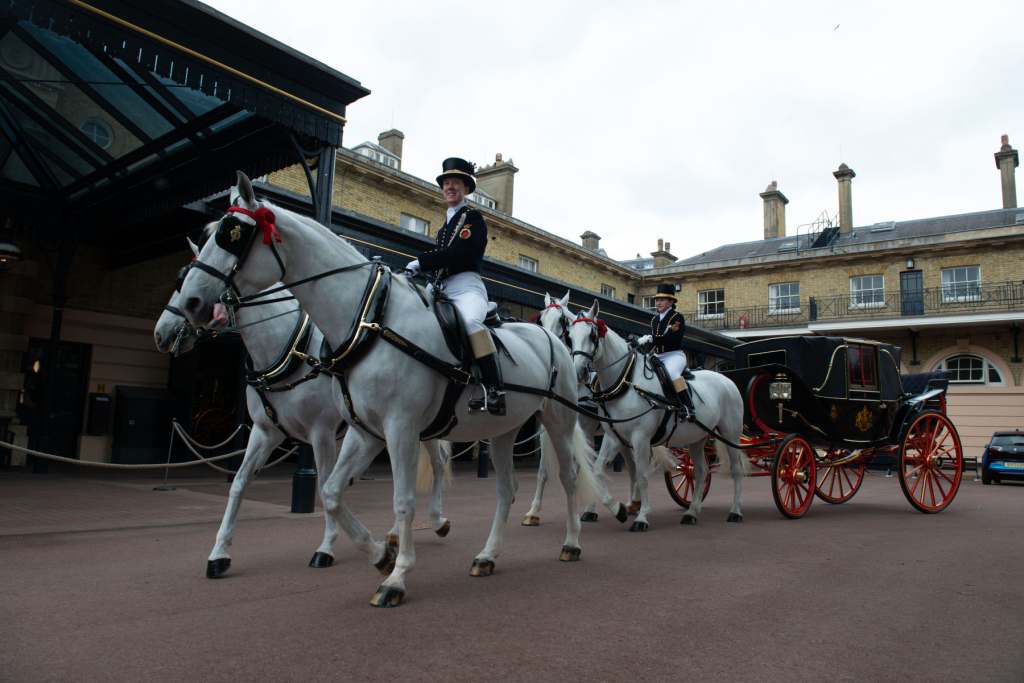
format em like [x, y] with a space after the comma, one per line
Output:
[454, 167]
[666, 291]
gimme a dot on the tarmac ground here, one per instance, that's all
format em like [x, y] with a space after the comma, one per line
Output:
[103, 579]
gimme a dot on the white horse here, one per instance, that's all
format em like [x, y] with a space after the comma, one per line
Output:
[307, 412]
[556, 318]
[391, 396]
[718, 403]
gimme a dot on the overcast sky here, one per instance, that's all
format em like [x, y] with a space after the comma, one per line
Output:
[643, 119]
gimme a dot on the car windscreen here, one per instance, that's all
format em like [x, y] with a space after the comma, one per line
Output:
[1008, 440]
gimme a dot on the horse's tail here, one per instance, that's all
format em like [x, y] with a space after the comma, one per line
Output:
[425, 466]
[587, 486]
[726, 462]
[663, 459]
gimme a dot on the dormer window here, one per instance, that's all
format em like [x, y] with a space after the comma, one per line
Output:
[381, 156]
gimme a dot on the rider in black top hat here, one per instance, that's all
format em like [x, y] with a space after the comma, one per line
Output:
[455, 264]
[666, 341]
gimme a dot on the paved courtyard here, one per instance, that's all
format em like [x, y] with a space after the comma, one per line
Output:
[102, 579]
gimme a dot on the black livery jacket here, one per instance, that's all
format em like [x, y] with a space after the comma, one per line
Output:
[459, 247]
[668, 331]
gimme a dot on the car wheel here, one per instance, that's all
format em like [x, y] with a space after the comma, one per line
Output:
[986, 478]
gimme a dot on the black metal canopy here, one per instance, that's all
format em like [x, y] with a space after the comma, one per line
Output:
[113, 110]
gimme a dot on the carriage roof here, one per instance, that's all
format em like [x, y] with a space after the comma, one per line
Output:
[824, 364]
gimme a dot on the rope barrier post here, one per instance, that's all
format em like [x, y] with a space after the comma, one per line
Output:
[170, 444]
[483, 460]
[304, 481]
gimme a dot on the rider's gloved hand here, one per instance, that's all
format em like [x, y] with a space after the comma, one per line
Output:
[645, 340]
[413, 267]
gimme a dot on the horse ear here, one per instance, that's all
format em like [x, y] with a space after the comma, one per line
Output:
[547, 299]
[564, 301]
[595, 310]
[192, 245]
[245, 191]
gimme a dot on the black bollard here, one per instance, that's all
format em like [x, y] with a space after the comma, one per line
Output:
[304, 481]
[483, 461]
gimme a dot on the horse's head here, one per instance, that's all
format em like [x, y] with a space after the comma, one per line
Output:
[173, 333]
[242, 258]
[585, 335]
[555, 317]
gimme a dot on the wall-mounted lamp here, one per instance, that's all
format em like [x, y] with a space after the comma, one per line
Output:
[910, 263]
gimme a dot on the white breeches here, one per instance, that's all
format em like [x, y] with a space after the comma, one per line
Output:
[675, 362]
[468, 293]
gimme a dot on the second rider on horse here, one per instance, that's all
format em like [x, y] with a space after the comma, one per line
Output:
[666, 341]
[455, 265]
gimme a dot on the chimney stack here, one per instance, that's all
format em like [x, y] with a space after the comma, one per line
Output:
[497, 181]
[591, 241]
[774, 211]
[844, 175]
[662, 257]
[1006, 162]
[391, 140]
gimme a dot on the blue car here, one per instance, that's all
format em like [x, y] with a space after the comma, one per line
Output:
[1003, 457]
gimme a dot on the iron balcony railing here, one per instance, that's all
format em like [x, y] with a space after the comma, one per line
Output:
[947, 300]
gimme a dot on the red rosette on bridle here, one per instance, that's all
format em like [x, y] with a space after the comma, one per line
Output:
[265, 221]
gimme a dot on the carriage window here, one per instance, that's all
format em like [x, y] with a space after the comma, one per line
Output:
[711, 303]
[860, 361]
[784, 297]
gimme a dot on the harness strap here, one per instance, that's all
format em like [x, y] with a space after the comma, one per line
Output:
[292, 356]
[347, 397]
[272, 414]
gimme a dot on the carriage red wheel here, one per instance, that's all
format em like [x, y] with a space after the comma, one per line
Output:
[931, 462]
[793, 476]
[838, 483]
[680, 480]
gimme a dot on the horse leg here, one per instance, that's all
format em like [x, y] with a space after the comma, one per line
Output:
[261, 443]
[357, 450]
[634, 491]
[737, 463]
[325, 453]
[501, 457]
[600, 460]
[700, 473]
[404, 451]
[642, 461]
[438, 463]
[532, 516]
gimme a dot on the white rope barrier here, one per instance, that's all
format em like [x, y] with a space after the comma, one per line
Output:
[175, 425]
[116, 466]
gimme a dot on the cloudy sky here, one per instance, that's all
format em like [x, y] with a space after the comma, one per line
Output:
[644, 119]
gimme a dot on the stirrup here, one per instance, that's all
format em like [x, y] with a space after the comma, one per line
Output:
[492, 401]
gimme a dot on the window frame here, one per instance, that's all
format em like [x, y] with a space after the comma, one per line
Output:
[987, 368]
[426, 223]
[854, 293]
[607, 290]
[772, 300]
[702, 313]
[972, 287]
[529, 259]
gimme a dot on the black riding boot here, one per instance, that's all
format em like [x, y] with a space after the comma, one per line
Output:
[683, 398]
[495, 397]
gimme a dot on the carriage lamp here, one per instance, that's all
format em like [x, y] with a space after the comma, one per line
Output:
[780, 391]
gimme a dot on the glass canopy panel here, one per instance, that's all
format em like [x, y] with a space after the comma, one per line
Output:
[16, 171]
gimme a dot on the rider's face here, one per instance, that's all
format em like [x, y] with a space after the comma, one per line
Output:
[662, 304]
[454, 190]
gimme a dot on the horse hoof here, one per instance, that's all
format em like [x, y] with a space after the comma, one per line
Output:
[588, 517]
[734, 518]
[217, 568]
[386, 596]
[321, 560]
[633, 507]
[443, 530]
[531, 520]
[688, 520]
[392, 540]
[639, 526]
[622, 515]
[386, 564]
[569, 554]
[482, 568]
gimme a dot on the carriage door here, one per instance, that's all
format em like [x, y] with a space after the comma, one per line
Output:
[912, 292]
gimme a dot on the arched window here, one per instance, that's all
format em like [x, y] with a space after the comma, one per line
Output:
[98, 131]
[970, 369]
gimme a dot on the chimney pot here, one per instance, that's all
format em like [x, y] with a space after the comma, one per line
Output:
[774, 211]
[844, 175]
[391, 140]
[1007, 161]
[591, 241]
[497, 180]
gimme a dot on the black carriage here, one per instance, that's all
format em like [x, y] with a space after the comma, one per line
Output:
[817, 410]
